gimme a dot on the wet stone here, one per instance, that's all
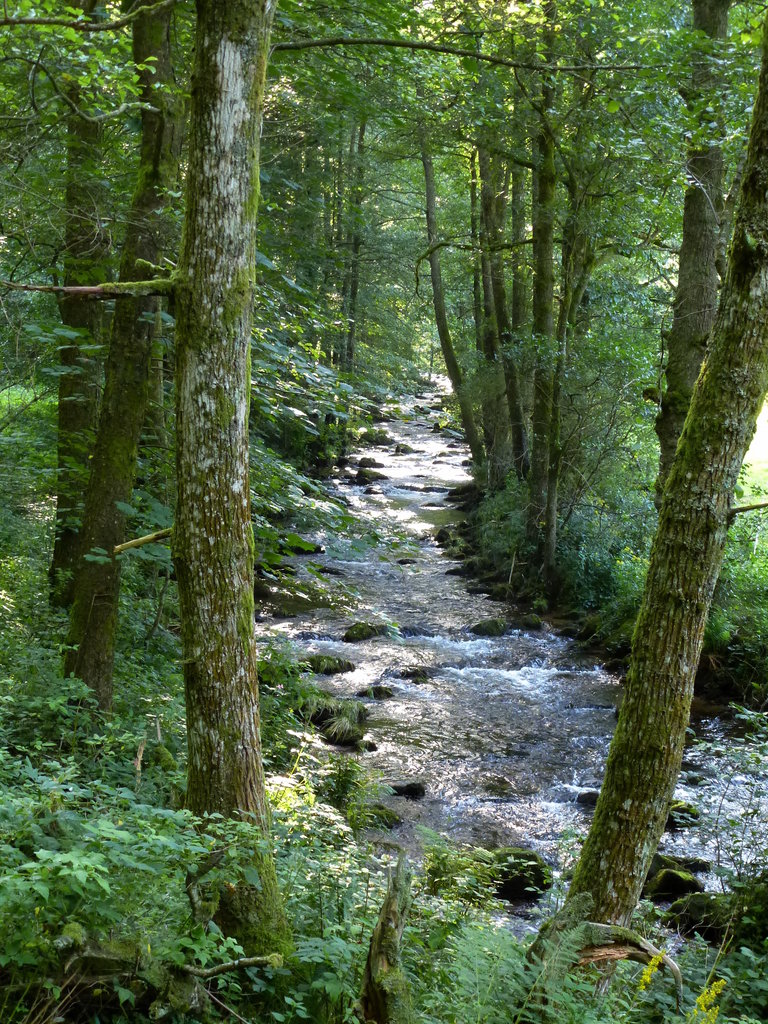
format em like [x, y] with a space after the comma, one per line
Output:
[364, 631]
[368, 463]
[490, 627]
[412, 789]
[682, 815]
[377, 692]
[671, 883]
[327, 665]
[588, 797]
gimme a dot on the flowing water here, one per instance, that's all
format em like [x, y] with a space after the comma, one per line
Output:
[506, 732]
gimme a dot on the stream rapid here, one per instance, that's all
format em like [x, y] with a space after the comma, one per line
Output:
[509, 734]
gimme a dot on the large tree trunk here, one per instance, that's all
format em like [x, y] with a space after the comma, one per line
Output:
[646, 752]
[543, 301]
[698, 281]
[85, 257]
[213, 539]
[93, 619]
[438, 296]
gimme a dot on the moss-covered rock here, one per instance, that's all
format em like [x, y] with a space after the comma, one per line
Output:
[327, 665]
[339, 721]
[365, 631]
[521, 873]
[378, 692]
[532, 621]
[415, 674]
[682, 815]
[377, 438]
[704, 912]
[384, 817]
[672, 883]
[368, 476]
[490, 627]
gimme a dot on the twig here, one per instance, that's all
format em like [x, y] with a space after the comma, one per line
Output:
[272, 960]
[229, 1009]
[139, 542]
[747, 508]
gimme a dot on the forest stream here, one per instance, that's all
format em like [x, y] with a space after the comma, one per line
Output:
[508, 734]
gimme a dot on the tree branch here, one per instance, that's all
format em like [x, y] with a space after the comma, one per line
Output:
[272, 960]
[89, 26]
[110, 290]
[455, 51]
[139, 542]
[746, 508]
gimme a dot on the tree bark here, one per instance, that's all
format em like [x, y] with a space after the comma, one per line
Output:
[438, 296]
[493, 198]
[356, 241]
[213, 536]
[543, 299]
[78, 385]
[385, 996]
[646, 752]
[497, 428]
[93, 618]
[698, 281]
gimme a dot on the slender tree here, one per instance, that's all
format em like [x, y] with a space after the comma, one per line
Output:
[646, 752]
[698, 281]
[85, 262]
[93, 618]
[438, 297]
[213, 537]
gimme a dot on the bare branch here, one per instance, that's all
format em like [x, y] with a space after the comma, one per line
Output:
[139, 542]
[455, 51]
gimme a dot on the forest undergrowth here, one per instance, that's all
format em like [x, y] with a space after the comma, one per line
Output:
[99, 853]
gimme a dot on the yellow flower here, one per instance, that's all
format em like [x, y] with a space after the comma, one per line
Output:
[705, 1011]
[648, 973]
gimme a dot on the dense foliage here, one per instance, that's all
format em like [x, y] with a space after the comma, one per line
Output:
[96, 845]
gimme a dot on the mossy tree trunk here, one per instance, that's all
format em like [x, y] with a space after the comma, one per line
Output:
[543, 297]
[493, 202]
[356, 242]
[441, 319]
[213, 538]
[93, 618]
[497, 428]
[646, 752]
[695, 303]
[85, 256]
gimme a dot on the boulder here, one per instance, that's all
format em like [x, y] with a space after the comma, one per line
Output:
[377, 692]
[531, 621]
[368, 463]
[671, 884]
[404, 449]
[707, 913]
[521, 873]
[368, 476]
[376, 438]
[415, 674]
[443, 536]
[327, 665]
[490, 627]
[412, 789]
[682, 815]
[407, 561]
[364, 631]
[383, 816]
[588, 797]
